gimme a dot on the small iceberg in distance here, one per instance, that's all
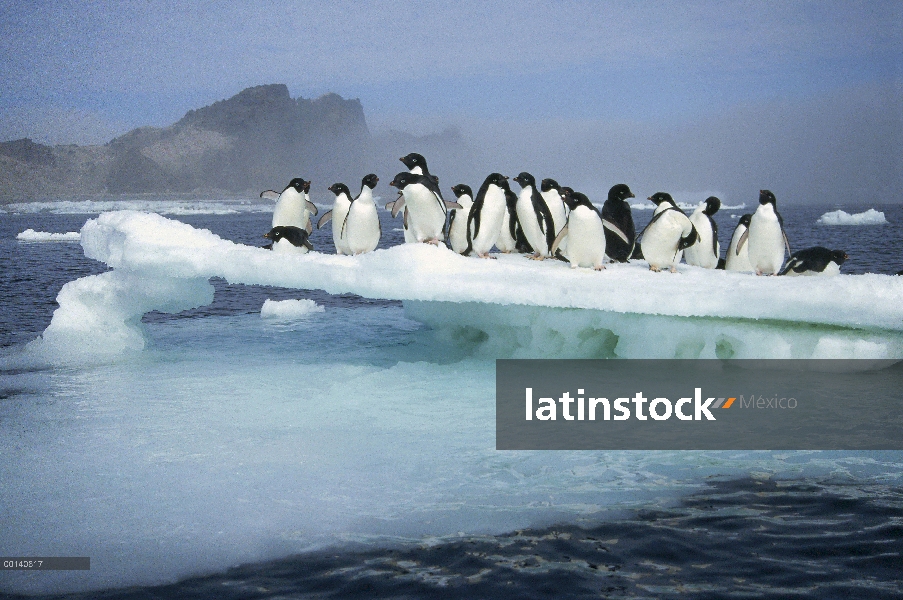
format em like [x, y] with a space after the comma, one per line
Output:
[839, 217]
[289, 310]
[30, 235]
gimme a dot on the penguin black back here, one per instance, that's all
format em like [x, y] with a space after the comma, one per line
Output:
[294, 235]
[616, 210]
[540, 209]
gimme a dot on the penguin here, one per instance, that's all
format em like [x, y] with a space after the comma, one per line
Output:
[337, 214]
[534, 217]
[416, 164]
[487, 216]
[551, 193]
[617, 211]
[293, 205]
[511, 232]
[361, 229]
[737, 258]
[815, 261]
[457, 226]
[667, 234]
[287, 238]
[707, 251]
[584, 231]
[766, 237]
[425, 210]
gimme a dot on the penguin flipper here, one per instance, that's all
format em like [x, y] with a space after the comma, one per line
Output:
[689, 240]
[741, 242]
[307, 244]
[404, 220]
[270, 195]
[310, 227]
[615, 229]
[561, 235]
[397, 206]
[312, 207]
[324, 219]
[786, 242]
[450, 204]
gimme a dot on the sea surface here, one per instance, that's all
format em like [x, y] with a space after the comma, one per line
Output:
[350, 453]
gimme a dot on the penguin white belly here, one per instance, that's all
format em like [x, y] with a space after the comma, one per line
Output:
[529, 223]
[362, 228]
[556, 207]
[426, 217]
[339, 212]
[734, 261]
[701, 253]
[491, 217]
[284, 246]
[457, 233]
[586, 238]
[766, 242]
[661, 239]
[291, 210]
[506, 243]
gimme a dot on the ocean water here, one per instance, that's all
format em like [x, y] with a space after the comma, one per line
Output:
[350, 452]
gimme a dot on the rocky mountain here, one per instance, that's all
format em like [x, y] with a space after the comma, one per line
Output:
[256, 140]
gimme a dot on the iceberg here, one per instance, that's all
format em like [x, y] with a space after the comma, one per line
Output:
[289, 310]
[30, 235]
[839, 217]
[514, 306]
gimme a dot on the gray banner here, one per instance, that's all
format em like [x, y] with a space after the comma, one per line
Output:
[699, 405]
[45, 563]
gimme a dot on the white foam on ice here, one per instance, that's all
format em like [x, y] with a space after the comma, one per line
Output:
[150, 248]
[30, 235]
[289, 310]
[839, 217]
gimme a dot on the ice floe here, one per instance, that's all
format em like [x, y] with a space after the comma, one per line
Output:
[839, 217]
[30, 235]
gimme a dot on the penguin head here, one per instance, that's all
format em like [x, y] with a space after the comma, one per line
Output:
[579, 199]
[620, 192]
[567, 196]
[766, 197]
[299, 185]
[414, 160]
[839, 256]
[550, 184]
[369, 181]
[745, 219]
[496, 179]
[661, 197]
[339, 188]
[462, 190]
[712, 204]
[402, 180]
[525, 179]
[295, 235]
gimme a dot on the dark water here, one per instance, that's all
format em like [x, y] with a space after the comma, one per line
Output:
[736, 539]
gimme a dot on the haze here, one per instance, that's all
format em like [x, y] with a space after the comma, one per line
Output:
[804, 98]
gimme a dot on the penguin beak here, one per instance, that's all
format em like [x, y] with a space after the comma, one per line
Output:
[649, 198]
[631, 195]
[392, 183]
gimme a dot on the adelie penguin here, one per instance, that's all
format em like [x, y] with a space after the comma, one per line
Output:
[487, 216]
[425, 210]
[293, 205]
[361, 229]
[551, 193]
[737, 258]
[287, 238]
[707, 251]
[584, 233]
[669, 232]
[511, 237]
[339, 212]
[534, 217]
[815, 261]
[617, 211]
[457, 228]
[766, 237]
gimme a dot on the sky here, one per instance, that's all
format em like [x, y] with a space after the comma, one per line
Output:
[722, 96]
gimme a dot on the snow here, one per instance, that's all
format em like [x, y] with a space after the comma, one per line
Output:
[30, 235]
[839, 217]
[161, 264]
[289, 310]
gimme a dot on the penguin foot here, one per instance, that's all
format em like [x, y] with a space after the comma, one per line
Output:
[600, 267]
[673, 269]
[537, 257]
[431, 242]
[487, 255]
[654, 269]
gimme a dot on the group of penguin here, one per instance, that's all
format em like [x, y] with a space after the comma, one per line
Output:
[545, 221]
